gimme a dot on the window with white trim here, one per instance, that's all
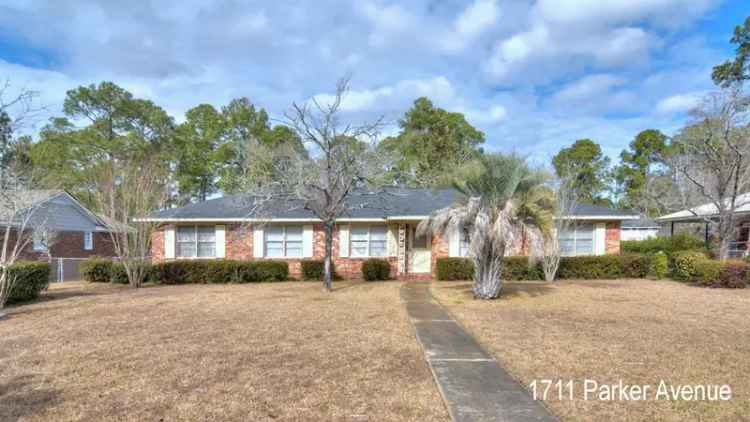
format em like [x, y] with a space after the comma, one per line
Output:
[577, 240]
[283, 241]
[39, 241]
[464, 241]
[368, 241]
[88, 241]
[196, 242]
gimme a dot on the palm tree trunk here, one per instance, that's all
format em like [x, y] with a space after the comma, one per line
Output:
[488, 277]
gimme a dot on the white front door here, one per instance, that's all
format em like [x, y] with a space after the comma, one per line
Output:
[419, 251]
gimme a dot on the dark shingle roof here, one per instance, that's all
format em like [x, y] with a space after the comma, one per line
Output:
[387, 202]
[589, 210]
[641, 223]
[364, 204]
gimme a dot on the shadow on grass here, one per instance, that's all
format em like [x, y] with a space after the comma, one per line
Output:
[20, 397]
[510, 289]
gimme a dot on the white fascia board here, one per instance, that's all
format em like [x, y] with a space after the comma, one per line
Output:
[600, 217]
[255, 220]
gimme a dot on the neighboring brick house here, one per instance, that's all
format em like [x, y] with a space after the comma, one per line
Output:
[381, 225]
[69, 233]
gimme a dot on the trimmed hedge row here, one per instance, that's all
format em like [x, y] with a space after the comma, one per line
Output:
[691, 266]
[667, 244]
[190, 272]
[731, 274]
[573, 267]
[31, 278]
[218, 271]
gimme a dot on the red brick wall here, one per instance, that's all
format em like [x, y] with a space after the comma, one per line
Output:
[612, 238]
[157, 244]
[239, 242]
[239, 246]
[440, 249]
[69, 244]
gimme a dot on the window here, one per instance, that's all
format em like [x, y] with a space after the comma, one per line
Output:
[577, 240]
[196, 242]
[283, 241]
[39, 241]
[368, 241]
[463, 246]
[88, 241]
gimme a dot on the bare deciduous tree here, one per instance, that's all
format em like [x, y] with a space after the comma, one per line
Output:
[339, 159]
[21, 219]
[20, 104]
[565, 204]
[127, 190]
[20, 216]
[713, 157]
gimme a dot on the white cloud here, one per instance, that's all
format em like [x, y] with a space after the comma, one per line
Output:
[397, 96]
[679, 103]
[533, 75]
[485, 117]
[598, 12]
[388, 21]
[477, 17]
[588, 87]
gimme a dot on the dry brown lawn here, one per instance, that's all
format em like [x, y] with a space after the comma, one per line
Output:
[255, 352]
[638, 331]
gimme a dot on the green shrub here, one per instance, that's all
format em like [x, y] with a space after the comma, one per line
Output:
[519, 268]
[667, 244]
[590, 267]
[683, 264]
[707, 271]
[118, 274]
[634, 265]
[30, 279]
[96, 270]
[659, 266]
[218, 271]
[571, 267]
[449, 269]
[733, 275]
[376, 269]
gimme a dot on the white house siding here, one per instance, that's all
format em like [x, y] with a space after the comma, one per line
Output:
[638, 233]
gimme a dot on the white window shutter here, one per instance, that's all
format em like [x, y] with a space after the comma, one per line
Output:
[454, 242]
[307, 241]
[600, 239]
[258, 241]
[344, 241]
[169, 243]
[393, 240]
[221, 245]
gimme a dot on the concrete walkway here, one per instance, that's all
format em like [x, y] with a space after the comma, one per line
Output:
[473, 385]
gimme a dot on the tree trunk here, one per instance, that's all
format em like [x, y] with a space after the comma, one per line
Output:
[487, 276]
[328, 259]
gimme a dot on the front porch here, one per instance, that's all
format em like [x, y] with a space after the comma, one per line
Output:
[739, 246]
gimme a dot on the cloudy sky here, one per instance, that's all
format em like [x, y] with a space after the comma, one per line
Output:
[534, 75]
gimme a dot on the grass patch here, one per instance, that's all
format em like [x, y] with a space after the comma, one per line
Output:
[281, 351]
[638, 331]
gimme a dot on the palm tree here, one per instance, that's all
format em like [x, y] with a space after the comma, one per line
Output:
[504, 204]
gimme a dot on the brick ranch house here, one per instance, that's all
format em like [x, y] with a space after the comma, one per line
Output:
[66, 234]
[381, 225]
